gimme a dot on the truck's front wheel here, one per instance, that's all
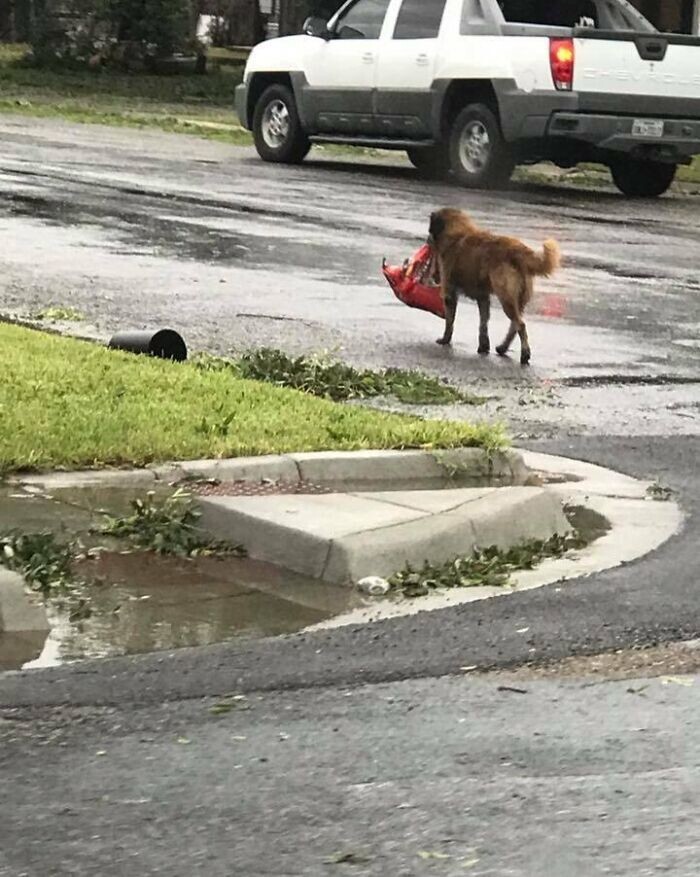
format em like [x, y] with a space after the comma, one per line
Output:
[480, 158]
[642, 179]
[277, 130]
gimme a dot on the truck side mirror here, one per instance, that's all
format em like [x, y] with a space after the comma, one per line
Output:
[314, 26]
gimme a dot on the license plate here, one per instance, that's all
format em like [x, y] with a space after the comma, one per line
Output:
[647, 128]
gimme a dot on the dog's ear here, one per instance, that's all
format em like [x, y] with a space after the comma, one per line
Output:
[437, 226]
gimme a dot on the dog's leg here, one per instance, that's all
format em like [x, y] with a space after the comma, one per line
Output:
[524, 344]
[511, 311]
[484, 316]
[525, 297]
[450, 314]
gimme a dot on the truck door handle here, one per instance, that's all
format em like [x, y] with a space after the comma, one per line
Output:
[422, 60]
[368, 57]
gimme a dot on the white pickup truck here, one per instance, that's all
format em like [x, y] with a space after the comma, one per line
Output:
[474, 87]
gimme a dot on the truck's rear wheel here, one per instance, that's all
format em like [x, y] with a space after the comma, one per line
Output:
[642, 179]
[277, 130]
[480, 158]
[432, 161]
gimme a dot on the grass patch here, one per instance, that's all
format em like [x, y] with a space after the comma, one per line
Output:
[590, 176]
[490, 567]
[71, 404]
[331, 379]
[166, 526]
[691, 173]
[183, 103]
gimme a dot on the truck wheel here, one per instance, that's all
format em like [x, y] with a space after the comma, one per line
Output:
[432, 161]
[277, 130]
[479, 156]
[642, 179]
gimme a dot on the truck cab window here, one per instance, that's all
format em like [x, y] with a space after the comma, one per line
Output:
[363, 21]
[419, 19]
[566, 13]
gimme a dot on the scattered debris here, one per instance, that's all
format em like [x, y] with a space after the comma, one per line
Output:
[511, 689]
[323, 376]
[685, 681]
[374, 586]
[229, 704]
[487, 567]
[659, 493]
[347, 858]
[166, 526]
[58, 313]
[46, 564]
[639, 691]
[426, 855]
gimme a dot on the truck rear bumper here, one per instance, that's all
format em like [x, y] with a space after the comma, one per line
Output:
[678, 142]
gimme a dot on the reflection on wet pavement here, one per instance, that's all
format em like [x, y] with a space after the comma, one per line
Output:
[143, 603]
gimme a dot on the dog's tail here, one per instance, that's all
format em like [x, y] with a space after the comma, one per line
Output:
[546, 263]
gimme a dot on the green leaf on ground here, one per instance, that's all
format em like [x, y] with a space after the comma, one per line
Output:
[328, 378]
[486, 567]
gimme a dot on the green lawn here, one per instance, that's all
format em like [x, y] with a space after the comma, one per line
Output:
[202, 105]
[70, 404]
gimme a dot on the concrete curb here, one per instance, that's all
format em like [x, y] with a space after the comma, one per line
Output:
[331, 466]
[343, 537]
[638, 526]
[18, 613]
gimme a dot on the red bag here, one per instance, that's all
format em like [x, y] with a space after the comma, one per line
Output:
[409, 282]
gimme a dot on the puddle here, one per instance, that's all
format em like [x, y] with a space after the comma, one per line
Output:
[144, 603]
[141, 602]
[589, 524]
[30, 512]
[629, 380]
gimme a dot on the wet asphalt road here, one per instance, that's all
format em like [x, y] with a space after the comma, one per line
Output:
[143, 229]
[439, 777]
[566, 780]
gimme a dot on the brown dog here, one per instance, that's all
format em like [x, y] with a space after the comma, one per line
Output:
[480, 264]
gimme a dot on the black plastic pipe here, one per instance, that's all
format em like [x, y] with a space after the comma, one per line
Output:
[164, 344]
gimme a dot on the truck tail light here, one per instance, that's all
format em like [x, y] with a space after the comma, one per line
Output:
[561, 60]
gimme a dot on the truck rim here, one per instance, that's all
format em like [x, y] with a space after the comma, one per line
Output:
[275, 124]
[474, 147]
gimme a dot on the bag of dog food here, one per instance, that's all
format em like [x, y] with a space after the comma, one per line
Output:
[413, 282]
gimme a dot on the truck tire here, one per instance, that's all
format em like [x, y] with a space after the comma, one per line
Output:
[433, 162]
[277, 130]
[479, 156]
[642, 179]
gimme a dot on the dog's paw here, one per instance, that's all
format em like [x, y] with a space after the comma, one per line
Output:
[525, 358]
[444, 342]
[484, 349]
[501, 350]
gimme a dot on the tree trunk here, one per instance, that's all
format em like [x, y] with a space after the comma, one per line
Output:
[293, 13]
[7, 22]
[23, 20]
[246, 26]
